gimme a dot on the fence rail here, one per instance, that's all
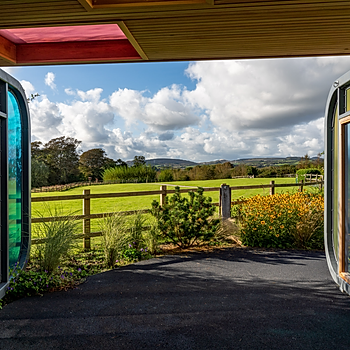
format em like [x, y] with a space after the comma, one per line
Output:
[224, 204]
[313, 177]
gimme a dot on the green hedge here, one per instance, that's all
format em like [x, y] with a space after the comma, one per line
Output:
[133, 174]
[302, 172]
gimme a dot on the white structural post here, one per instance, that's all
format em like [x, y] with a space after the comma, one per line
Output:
[225, 201]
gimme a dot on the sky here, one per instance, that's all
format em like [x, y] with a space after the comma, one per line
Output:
[199, 111]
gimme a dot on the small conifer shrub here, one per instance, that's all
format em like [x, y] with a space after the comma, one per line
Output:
[184, 221]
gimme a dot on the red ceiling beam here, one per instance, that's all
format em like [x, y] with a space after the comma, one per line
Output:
[7, 50]
[82, 51]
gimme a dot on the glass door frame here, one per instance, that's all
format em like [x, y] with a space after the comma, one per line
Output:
[10, 85]
[343, 205]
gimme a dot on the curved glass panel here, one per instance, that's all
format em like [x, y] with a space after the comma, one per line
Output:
[15, 178]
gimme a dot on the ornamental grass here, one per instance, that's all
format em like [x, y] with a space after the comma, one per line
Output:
[289, 220]
[56, 238]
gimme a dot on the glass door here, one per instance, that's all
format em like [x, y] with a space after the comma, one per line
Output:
[14, 178]
[344, 208]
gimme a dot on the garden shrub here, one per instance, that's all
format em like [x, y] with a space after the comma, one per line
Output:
[114, 237]
[166, 175]
[302, 172]
[124, 238]
[33, 280]
[283, 221]
[137, 224]
[56, 237]
[133, 253]
[227, 232]
[185, 221]
[143, 173]
[152, 239]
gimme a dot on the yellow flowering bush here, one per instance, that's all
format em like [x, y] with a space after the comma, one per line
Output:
[288, 220]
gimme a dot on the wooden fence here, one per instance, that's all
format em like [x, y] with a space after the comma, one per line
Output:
[224, 204]
[313, 177]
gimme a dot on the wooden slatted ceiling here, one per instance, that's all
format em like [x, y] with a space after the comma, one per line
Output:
[269, 34]
[266, 37]
[229, 29]
[3, 63]
[101, 4]
[15, 13]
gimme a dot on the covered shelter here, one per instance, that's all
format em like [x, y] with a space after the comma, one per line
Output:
[38, 32]
[34, 32]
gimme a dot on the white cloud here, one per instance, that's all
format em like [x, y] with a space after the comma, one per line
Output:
[28, 87]
[69, 91]
[304, 138]
[264, 95]
[166, 110]
[9, 70]
[237, 109]
[45, 119]
[86, 121]
[92, 95]
[50, 80]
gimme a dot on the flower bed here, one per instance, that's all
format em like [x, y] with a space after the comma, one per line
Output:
[282, 221]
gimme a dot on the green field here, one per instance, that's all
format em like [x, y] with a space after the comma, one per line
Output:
[105, 205]
[143, 202]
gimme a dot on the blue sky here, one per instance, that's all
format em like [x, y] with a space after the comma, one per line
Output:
[137, 76]
[198, 111]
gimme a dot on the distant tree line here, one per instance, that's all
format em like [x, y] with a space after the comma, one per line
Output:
[206, 172]
[198, 172]
[227, 170]
[59, 162]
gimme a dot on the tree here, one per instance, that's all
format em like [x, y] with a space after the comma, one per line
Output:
[139, 161]
[305, 162]
[223, 170]
[93, 162]
[121, 163]
[165, 175]
[319, 161]
[32, 97]
[40, 173]
[37, 150]
[39, 169]
[62, 157]
[240, 170]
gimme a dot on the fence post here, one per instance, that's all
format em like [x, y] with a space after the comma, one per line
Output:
[86, 222]
[272, 188]
[162, 195]
[301, 187]
[225, 201]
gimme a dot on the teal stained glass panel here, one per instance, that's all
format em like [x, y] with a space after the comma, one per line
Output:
[15, 178]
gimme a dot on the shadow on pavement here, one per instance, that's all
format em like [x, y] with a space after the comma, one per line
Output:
[230, 299]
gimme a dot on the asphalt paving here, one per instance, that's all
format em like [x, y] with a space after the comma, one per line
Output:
[229, 299]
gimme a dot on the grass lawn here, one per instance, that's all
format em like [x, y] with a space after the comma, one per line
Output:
[105, 205]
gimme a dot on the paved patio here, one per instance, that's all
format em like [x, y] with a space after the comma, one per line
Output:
[231, 299]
